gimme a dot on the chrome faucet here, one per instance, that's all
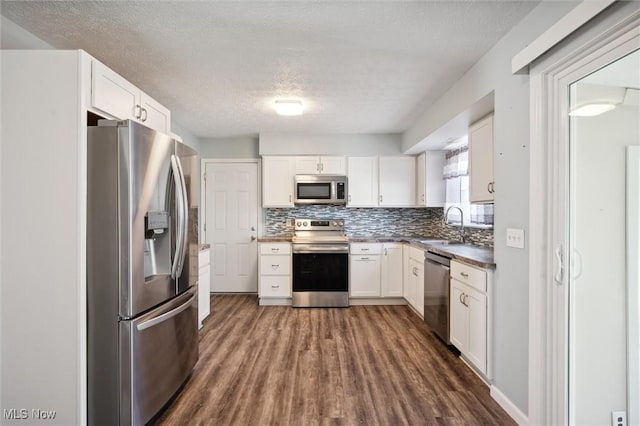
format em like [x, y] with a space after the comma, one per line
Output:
[444, 221]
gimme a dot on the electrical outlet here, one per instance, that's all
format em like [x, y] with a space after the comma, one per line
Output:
[515, 238]
[618, 418]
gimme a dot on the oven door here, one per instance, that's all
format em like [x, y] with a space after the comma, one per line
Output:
[320, 269]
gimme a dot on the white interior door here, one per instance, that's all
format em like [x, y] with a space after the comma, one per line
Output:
[231, 221]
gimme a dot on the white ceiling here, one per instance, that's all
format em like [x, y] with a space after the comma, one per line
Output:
[358, 66]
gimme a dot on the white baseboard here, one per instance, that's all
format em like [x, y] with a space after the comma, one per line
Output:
[277, 301]
[508, 406]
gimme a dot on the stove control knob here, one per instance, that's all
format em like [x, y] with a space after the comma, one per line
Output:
[304, 223]
[298, 223]
[334, 223]
[340, 223]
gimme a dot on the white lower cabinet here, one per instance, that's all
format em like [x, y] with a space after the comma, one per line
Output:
[274, 273]
[204, 285]
[414, 278]
[375, 270]
[470, 313]
[391, 270]
[364, 275]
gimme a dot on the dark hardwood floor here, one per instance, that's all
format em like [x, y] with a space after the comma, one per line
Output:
[373, 365]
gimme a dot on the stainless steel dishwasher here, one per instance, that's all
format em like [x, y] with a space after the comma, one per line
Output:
[436, 293]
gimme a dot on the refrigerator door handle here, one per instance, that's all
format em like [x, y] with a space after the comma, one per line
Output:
[161, 318]
[185, 219]
[179, 221]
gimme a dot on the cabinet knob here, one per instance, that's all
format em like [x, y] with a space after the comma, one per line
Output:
[253, 238]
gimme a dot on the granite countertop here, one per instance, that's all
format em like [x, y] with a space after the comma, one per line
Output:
[468, 253]
[275, 239]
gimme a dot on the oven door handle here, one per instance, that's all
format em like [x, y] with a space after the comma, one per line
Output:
[312, 248]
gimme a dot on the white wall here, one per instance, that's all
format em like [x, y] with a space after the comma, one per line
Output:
[13, 36]
[340, 144]
[599, 231]
[238, 147]
[511, 168]
[188, 138]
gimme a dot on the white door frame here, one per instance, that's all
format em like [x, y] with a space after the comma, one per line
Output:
[548, 207]
[203, 194]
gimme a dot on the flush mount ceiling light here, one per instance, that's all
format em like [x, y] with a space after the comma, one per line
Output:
[591, 110]
[289, 107]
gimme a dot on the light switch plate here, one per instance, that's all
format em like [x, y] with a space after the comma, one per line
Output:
[515, 238]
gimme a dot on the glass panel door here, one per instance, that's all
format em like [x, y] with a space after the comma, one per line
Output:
[604, 126]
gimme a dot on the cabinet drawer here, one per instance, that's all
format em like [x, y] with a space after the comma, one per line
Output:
[275, 265]
[203, 258]
[473, 277]
[365, 248]
[275, 286]
[275, 248]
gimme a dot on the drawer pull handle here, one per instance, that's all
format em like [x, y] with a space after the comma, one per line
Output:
[364, 249]
[464, 274]
[364, 258]
[275, 249]
[275, 266]
[275, 286]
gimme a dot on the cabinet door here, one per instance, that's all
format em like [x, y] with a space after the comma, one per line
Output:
[406, 271]
[458, 317]
[364, 276]
[392, 273]
[113, 94]
[434, 180]
[363, 181]
[333, 166]
[277, 181]
[204, 276]
[307, 165]
[397, 180]
[154, 114]
[412, 287]
[481, 161]
[420, 288]
[477, 346]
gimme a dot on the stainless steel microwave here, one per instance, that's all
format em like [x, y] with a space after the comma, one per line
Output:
[320, 189]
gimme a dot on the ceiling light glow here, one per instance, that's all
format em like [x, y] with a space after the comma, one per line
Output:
[289, 107]
[591, 110]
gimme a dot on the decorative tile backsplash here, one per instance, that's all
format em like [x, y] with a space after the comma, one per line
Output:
[377, 221]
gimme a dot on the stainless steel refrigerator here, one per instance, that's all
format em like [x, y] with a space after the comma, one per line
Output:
[142, 268]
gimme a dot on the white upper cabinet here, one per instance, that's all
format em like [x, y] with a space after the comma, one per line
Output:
[481, 183]
[277, 181]
[430, 184]
[312, 165]
[397, 182]
[363, 181]
[115, 96]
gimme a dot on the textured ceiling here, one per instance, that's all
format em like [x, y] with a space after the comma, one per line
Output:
[359, 67]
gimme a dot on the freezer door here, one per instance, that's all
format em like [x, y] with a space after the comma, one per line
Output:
[147, 199]
[158, 352]
[191, 171]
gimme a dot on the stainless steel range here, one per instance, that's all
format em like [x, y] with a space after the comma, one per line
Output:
[320, 264]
